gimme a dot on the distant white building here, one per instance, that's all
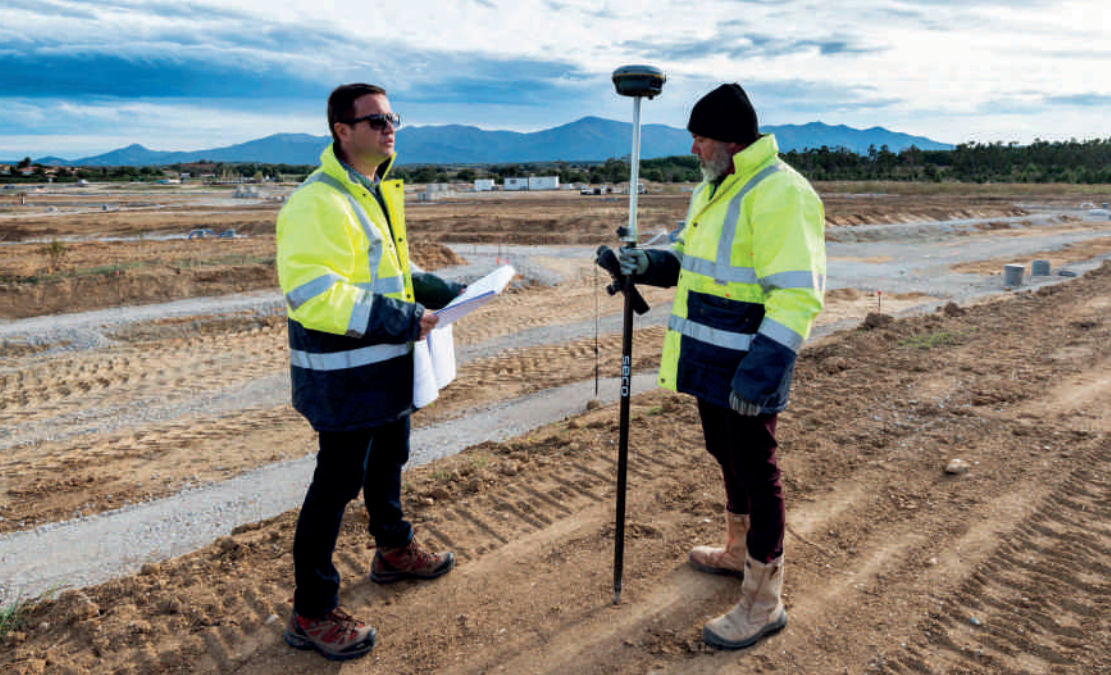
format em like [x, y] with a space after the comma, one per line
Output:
[516, 183]
[483, 184]
[435, 192]
[543, 182]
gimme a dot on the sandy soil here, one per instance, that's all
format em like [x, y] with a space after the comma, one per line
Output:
[894, 564]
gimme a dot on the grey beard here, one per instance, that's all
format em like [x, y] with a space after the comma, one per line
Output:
[714, 169]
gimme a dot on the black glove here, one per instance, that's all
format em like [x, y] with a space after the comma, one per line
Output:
[633, 261]
[606, 259]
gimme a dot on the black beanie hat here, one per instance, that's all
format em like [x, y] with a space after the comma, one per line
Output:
[725, 114]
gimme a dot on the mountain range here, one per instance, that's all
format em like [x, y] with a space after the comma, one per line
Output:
[587, 139]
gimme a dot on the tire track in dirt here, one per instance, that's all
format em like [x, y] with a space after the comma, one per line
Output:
[44, 387]
[488, 517]
[1017, 612]
[871, 508]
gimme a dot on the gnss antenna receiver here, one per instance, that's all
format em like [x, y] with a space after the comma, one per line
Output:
[637, 82]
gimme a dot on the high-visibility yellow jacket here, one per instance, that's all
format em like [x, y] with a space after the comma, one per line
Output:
[354, 312]
[750, 267]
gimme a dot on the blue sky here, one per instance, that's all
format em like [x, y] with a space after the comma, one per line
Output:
[81, 77]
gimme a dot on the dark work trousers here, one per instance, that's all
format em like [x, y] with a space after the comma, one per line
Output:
[745, 448]
[369, 460]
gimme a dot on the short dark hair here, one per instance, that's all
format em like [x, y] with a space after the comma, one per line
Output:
[341, 102]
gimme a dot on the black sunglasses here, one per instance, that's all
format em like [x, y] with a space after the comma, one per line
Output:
[378, 121]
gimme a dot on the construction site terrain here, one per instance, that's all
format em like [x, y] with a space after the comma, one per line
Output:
[947, 471]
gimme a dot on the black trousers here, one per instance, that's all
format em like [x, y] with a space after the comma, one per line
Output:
[745, 447]
[366, 459]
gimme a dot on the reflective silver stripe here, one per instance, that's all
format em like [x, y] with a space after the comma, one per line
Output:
[307, 291]
[389, 285]
[374, 254]
[384, 286]
[729, 227]
[739, 275]
[776, 331]
[722, 269]
[737, 341]
[360, 315]
[322, 177]
[364, 220]
[808, 280]
[360, 213]
[354, 358]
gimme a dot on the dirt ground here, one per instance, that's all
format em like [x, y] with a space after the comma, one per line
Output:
[895, 564]
[59, 255]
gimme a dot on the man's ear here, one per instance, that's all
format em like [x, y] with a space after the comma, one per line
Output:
[341, 130]
[734, 148]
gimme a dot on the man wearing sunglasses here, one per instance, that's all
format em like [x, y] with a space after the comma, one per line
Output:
[355, 307]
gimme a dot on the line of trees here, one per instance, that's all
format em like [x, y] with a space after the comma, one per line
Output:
[613, 170]
[1040, 162]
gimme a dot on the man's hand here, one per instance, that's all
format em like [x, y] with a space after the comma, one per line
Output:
[428, 321]
[633, 261]
[742, 406]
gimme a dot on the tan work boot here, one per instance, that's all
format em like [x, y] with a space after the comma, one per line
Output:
[409, 562]
[760, 611]
[729, 560]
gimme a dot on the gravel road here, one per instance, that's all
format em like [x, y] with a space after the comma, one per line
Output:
[88, 550]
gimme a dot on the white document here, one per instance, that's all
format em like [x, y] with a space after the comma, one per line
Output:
[477, 294]
[433, 365]
[434, 356]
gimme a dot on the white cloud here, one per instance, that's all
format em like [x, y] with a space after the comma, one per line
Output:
[157, 125]
[950, 70]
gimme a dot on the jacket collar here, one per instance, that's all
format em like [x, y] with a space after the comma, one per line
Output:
[335, 168]
[753, 158]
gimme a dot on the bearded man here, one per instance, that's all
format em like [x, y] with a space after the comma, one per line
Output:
[750, 267]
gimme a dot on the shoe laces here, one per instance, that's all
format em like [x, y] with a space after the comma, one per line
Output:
[420, 555]
[344, 622]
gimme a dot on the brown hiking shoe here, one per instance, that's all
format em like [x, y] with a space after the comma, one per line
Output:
[409, 562]
[336, 635]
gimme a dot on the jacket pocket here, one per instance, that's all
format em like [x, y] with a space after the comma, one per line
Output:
[725, 314]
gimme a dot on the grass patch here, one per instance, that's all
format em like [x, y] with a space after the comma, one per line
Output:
[12, 615]
[189, 263]
[100, 270]
[942, 338]
[109, 270]
[120, 268]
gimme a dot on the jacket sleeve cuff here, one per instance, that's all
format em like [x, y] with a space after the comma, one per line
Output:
[434, 292]
[393, 321]
[764, 374]
[663, 268]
